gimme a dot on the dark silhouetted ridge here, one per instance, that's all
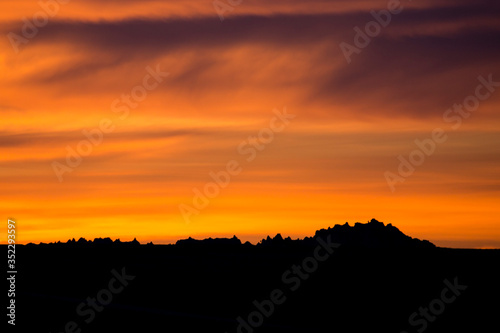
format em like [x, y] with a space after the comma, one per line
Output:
[373, 234]
[97, 242]
[209, 242]
[345, 278]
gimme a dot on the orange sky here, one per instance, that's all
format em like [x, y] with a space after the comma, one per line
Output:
[328, 164]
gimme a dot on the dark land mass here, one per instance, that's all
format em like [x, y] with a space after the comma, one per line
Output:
[366, 278]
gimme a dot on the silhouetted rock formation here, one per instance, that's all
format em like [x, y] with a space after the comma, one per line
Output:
[209, 242]
[373, 234]
[99, 242]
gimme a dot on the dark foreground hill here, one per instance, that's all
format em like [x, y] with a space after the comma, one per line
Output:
[369, 277]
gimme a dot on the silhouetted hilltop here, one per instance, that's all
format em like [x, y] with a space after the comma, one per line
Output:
[373, 234]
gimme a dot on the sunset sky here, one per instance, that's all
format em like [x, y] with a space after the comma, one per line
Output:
[227, 80]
